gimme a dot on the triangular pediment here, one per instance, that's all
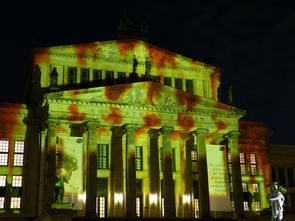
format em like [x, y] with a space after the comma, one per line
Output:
[146, 94]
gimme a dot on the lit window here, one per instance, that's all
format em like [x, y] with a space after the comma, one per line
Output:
[18, 160]
[163, 209]
[15, 202]
[233, 205]
[228, 158]
[253, 169]
[194, 156]
[2, 199]
[242, 158]
[256, 206]
[229, 168]
[19, 146]
[243, 169]
[4, 147]
[246, 206]
[138, 206]
[196, 208]
[244, 187]
[103, 155]
[253, 158]
[2, 180]
[102, 207]
[231, 188]
[17, 181]
[102, 186]
[255, 187]
[138, 158]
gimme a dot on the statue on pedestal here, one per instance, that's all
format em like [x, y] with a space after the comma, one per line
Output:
[277, 201]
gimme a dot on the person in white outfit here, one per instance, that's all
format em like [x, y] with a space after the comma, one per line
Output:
[277, 201]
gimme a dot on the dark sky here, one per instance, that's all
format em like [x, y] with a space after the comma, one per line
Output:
[252, 41]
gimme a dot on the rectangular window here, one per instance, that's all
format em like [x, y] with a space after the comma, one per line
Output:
[194, 157]
[229, 168]
[103, 156]
[242, 158]
[2, 199]
[244, 187]
[2, 180]
[138, 206]
[72, 75]
[167, 81]
[18, 153]
[155, 79]
[256, 206]
[255, 187]
[4, 148]
[252, 158]
[196, 208]
[206, 88]
[84, 75]
[246, 206]
[138, 187]
[253, 169]
[231, 187]
[102, 207]
[121, 77]
[189, 87]
[97, 75]
[17, 181]
[290, 177]
[138, 158]
[162, 207]
[102, 186]
[243, 169]
[178, 83]
[15, 202]
[109, 76]
[228, 158]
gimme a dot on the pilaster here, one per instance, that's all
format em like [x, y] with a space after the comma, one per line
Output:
[131, 171]
[204, 204]
[168, 184]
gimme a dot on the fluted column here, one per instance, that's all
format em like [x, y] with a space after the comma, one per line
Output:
[131, 171]
[236, 172]
[203, 173]
[168, 184]
[50, 178]
[91, 168]
[154, 174]
[117, 185]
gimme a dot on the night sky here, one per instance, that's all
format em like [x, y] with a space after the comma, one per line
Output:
[253, 42]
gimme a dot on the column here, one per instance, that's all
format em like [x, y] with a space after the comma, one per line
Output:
[154, 174]
[117, 190]
[168, 184]
[91, 174]
[50, 178]
[204, 203]
[130, 171]
[236, 172]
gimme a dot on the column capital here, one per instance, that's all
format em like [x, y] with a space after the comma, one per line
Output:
[232, 135]
[117, 131]
[130, 128]
[92, 125]
[153, 133]
[201, 131]
[166, 130]
[52, 123]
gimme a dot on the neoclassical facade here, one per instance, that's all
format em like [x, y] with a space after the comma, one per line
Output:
[123, 129]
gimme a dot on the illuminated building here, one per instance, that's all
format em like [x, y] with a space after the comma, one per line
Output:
[135, 130]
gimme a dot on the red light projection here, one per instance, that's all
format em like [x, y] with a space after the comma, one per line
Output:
[124, 47]
[151, 120]
[75, 114]
[74, 93]
[154, 91]
[175, 135]
[160, 57]
[140, 132]
[102, 130]
[187, 99]
[113, 93]
[60, 129]
[81, 50]
[41, 55]
[219, 123]
[185, 121]
[114, 116]
[223, 106]
[214, 77]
